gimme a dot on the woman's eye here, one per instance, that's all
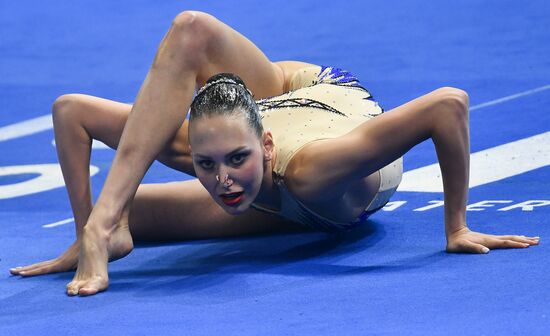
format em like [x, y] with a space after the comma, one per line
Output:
[238, 159]
[206, 164]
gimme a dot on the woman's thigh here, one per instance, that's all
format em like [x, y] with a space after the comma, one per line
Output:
[227, 50]
[185, 210]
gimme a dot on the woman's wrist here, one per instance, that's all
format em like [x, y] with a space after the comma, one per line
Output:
[455, 222]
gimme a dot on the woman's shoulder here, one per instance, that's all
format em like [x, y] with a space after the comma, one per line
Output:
[301, 173]
[295, 73]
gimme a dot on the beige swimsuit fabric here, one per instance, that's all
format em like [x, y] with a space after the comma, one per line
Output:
[314, 109]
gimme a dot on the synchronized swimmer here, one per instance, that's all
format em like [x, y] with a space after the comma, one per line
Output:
[310, 150]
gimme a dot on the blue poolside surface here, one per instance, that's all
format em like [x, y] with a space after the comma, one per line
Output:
[388, 277]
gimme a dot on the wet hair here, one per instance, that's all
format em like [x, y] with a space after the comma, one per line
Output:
[226, 94]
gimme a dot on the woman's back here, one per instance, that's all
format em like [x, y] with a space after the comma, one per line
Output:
[323, 103]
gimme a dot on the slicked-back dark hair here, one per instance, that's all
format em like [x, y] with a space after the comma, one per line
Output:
[226, 94]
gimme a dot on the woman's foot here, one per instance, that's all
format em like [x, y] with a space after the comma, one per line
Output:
[118, 248]
[97, 248]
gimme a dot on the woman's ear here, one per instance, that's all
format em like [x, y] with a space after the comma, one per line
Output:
[268, 145]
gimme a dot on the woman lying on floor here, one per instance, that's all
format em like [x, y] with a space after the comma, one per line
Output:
[313, 151]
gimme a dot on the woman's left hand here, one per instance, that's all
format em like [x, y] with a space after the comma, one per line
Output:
[466, 241]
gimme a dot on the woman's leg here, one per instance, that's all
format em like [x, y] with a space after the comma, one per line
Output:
[176, 211]
[181, 211]
[79, 119]
[196, 46]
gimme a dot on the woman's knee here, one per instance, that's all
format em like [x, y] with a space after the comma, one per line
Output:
[453, 102]
[65, 108]
[191, 35]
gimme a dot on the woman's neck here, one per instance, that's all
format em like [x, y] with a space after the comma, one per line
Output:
[269, 192]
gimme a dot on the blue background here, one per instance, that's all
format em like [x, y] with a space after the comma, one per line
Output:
[391, 276]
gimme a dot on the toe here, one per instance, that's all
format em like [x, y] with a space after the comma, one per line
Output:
[87, 291]
[92, 287]
[72, 288]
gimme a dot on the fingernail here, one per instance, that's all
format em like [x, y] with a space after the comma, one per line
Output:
[485, 250]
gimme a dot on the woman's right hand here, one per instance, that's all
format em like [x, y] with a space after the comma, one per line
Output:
[65, 262]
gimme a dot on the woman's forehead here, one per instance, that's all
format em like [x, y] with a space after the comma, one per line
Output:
[220, 130]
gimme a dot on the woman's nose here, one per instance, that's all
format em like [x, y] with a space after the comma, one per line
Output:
[223, 177]
[222, 172]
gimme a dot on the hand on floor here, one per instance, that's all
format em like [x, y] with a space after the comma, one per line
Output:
[65, 262]
[466, 241]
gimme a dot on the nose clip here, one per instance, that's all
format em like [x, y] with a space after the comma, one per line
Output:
[227, 182]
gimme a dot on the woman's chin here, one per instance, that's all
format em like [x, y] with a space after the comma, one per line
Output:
[235, 209]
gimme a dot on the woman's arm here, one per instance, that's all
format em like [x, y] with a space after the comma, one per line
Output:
[441, 115]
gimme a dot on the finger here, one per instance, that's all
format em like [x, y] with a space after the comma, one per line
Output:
[36, 271]
[15, 270]
[19, 269]
[22, 270]
[466, 246]
[534, 240]
[517, 238]
[45, 269]
[508, 237]
[498, 244]
[523, 239]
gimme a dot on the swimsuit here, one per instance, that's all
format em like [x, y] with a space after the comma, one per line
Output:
[323, 102]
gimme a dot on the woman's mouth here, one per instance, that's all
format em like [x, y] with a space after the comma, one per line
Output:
[232, 199]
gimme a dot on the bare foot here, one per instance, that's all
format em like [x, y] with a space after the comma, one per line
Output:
[118, 248]
[97, 248]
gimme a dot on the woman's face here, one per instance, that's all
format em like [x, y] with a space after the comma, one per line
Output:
[228, 159]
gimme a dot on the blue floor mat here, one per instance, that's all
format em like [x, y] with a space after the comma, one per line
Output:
[389, 277]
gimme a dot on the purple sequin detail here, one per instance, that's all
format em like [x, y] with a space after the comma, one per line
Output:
[337, 76]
